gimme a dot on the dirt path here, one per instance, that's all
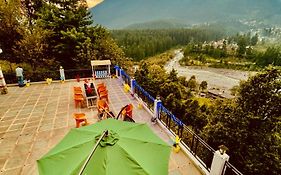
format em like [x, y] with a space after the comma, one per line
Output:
[220, 81]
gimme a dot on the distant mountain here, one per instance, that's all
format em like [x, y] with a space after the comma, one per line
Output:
[116, 14]
[158, 24]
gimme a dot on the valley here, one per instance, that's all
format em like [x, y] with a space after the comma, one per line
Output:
[220, 81]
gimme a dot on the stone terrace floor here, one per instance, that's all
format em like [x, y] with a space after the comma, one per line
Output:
[34, 119]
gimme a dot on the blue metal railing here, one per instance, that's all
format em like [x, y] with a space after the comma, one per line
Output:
[174, 118]
[126, 77]
[144, 95]
[202, 151]
[149, 97]
[192, 142]
[230, 169]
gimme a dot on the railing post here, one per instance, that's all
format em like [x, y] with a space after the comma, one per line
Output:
[117, 71]
[156, 108]
[219, 160]
[133, 81]
[120, 75]
[108, 73]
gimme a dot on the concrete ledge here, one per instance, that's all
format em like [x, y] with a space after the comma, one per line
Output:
[42, 82]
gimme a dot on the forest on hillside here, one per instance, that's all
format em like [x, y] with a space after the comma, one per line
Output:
[43, 35]
[140, 44]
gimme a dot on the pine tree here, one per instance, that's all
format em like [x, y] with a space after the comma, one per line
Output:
[242, 43]
[68, 20]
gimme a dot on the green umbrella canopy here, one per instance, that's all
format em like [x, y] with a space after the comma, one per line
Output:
[129, 149]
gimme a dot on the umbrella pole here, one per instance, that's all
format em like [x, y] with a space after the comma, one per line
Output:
[105, 133]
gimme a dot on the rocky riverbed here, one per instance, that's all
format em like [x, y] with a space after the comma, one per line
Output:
[220, 81]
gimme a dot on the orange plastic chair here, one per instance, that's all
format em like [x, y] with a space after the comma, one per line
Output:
[100, 85]
[103, 110]
[128, 111]
[104, 95]
[101, 89]
[80, 118]
[78, 99]
[102, 105]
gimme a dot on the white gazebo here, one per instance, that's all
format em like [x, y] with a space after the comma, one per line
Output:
[101, 68]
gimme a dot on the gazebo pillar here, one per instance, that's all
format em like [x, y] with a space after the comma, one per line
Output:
[93, 72]
[109, 70]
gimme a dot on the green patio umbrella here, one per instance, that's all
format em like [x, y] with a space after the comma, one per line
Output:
[128, 149]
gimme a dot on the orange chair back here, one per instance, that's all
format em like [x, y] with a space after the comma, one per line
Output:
[78, 92]
[78, 96]
[103, 92]
[77, 88]
[104, 95]
[129, 110]
[101, 89]
[100, 84]
[79, 115]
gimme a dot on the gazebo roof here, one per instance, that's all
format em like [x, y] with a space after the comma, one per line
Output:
[100, 62]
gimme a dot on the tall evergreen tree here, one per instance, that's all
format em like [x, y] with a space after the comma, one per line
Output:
[31, 9]
[242, 43]
[68, 20]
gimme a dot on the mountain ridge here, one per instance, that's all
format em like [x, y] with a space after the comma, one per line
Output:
[119, 14]
[158, 24]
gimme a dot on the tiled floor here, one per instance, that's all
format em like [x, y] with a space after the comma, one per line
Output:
[34, 119]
